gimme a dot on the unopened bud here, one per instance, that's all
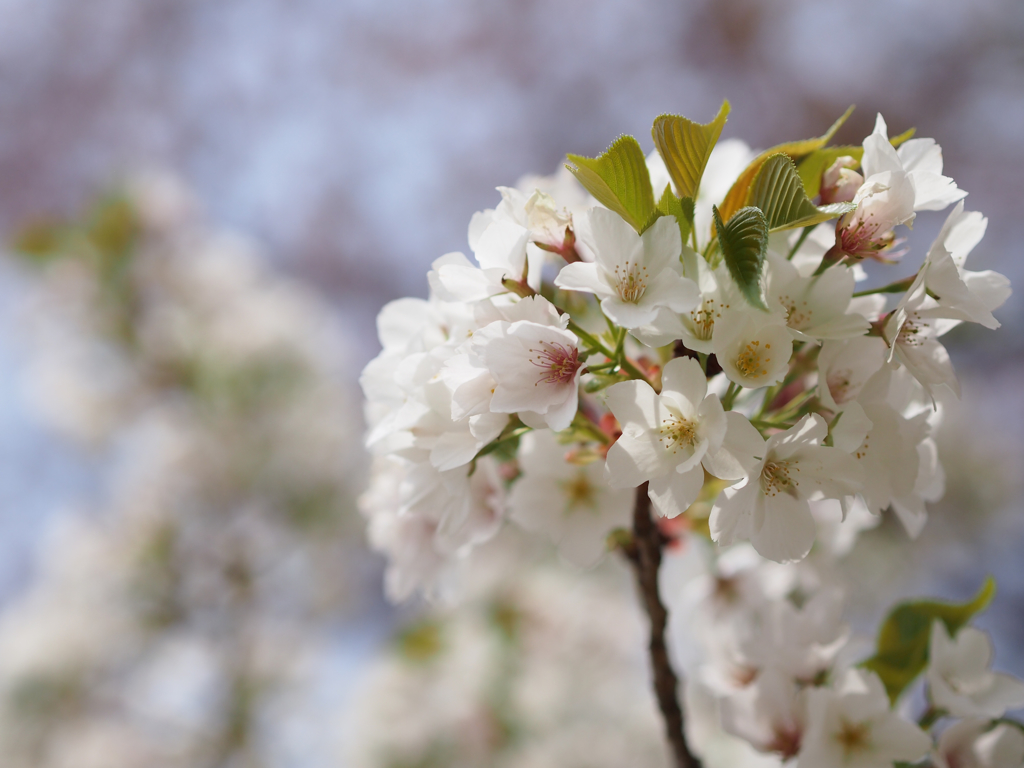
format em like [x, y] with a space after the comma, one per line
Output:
[839, 184]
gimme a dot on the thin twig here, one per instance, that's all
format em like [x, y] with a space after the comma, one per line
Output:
[645, 555]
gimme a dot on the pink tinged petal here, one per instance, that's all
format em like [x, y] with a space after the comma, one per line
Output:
[731, 517]
[471, 395]
[741, 450]
[685, 377]
[787, 530]
[676, 491]
[583, 276]
[634, 403]
[662, 244]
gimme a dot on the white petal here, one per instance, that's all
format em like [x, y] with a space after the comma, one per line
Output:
[787, 529]
[685, 377]
[730, 519]
[634, 403]
[662, 244]
[582, 276]
[676, 491]
[741, 450]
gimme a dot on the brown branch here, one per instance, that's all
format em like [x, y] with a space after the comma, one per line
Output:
[644, 552]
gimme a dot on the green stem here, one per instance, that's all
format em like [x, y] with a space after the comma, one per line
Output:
[769, 424]
[898, 287]
[583, 423]
[730, 395]
[592, 341]
[800, 241]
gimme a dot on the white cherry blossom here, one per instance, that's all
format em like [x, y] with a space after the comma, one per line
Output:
[844, 367]
[536, 370]
[666, 437]
[962, 294]
[960, 680]
[852, 726]
[814, 307]
[570, 502]
[752, 347]
[632, 275]
[920, 159]
[506, 238]
[912, 332]
[771, 508]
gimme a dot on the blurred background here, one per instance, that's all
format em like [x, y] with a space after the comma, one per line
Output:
[206, 204]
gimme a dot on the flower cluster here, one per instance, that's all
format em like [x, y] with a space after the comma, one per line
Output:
[624, 355]
[692, 328]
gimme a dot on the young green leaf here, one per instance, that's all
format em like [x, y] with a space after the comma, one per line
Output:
[902, 650]
[685, 146]
[682, 209]
[737, 194]
[744, 242]
[618, 178]
[777, 191]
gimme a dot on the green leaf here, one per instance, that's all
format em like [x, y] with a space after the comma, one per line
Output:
[681, 208]
[737, 194]
[744, 242]
[902, 650]
[777, 191]
[618, 178]
[815, 164]
[685, 146]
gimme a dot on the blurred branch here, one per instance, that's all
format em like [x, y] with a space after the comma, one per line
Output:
[644, 552]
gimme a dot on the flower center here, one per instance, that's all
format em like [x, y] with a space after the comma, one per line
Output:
[579, 493]
[676, 432]
[854, 737]
[911, 332]
[839, 385]
[703, 318]
[776, 478]
[749, 362]
[631, 281]
[796, 317]
[558, 362]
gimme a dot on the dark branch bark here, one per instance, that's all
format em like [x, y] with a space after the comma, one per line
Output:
[645, 554]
